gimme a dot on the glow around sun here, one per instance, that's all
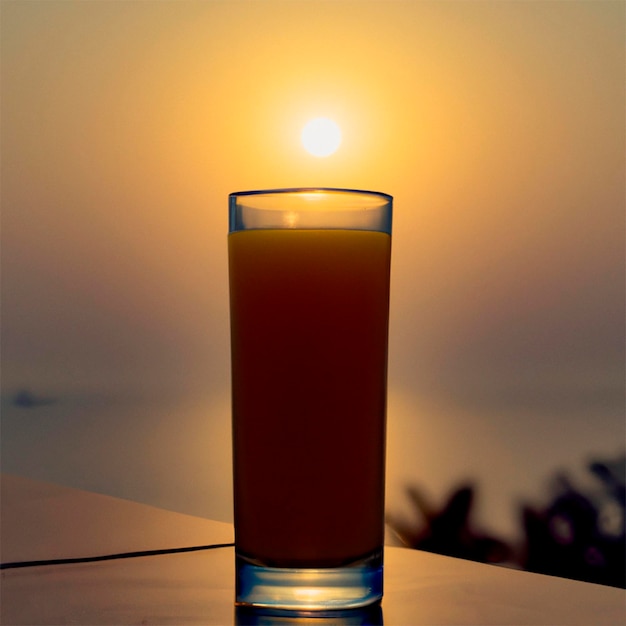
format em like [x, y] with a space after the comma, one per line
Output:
[321, 137]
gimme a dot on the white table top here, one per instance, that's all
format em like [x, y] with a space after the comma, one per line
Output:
[44, 521]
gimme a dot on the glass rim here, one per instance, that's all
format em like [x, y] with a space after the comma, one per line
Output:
[298, 208]
[286, 190]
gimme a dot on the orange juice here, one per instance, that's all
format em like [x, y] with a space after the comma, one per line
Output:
[309, 319]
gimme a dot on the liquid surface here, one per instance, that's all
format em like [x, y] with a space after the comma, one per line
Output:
[309, 318]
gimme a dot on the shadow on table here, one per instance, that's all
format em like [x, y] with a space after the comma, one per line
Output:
[578, 534]
[368, 616]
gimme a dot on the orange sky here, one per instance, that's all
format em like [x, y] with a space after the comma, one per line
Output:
[497, 126]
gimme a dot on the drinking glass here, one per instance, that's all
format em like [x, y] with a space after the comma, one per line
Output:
[309, 304]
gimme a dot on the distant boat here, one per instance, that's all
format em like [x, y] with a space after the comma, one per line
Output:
[28, 400]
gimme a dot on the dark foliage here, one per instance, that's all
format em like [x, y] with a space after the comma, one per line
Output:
[579, 535]
[450, 530]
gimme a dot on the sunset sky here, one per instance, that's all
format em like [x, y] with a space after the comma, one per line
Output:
[498, 127]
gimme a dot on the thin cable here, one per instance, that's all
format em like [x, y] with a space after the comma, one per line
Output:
[111, 557]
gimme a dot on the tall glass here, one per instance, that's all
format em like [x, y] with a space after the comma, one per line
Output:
[309, 304]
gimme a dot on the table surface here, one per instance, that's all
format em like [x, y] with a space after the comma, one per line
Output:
[44, 521]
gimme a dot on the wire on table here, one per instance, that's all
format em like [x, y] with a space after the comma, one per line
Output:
[111, 557]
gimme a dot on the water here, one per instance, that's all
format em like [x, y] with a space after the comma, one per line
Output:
[175, 451]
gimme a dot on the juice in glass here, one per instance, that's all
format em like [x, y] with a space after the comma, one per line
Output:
[309, 345]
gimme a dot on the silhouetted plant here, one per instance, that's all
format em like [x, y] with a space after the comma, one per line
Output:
[580, 535]
[449, 531]
[576, 535]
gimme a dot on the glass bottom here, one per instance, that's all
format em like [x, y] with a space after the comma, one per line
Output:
[322, 591]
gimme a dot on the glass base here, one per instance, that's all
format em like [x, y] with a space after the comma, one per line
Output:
[302, 590]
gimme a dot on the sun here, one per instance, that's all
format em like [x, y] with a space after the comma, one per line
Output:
[321, 137]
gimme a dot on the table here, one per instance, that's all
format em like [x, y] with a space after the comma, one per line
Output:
[44, 521]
